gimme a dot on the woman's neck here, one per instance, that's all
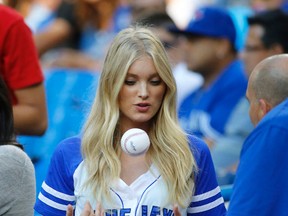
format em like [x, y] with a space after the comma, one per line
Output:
[133, 167]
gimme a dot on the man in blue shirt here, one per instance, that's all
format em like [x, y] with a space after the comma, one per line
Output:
[267, 36]
[212, 52]
[260, 186]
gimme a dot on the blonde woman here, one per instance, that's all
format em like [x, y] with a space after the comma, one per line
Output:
[136, 90]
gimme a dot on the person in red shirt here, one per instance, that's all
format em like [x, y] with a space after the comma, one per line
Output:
[21, 71]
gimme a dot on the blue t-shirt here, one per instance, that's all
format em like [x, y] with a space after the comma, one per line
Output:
[205, 112]
[66, 174]
[261, 184]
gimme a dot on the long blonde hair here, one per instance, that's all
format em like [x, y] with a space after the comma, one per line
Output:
[169, 148]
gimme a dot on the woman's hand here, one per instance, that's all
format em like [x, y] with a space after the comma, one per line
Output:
[87, 211]
[176, 211]
[69, 211]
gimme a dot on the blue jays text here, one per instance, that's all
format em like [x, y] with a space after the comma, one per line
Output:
[156, 210]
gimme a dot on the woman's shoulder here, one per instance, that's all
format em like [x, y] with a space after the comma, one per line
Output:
[69, 145]
[15, 164]
[198, 148]
[69, 151]
[14, 154]
[17, 181]
[197, 143]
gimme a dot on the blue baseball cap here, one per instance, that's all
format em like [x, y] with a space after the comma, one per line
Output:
[210, 21]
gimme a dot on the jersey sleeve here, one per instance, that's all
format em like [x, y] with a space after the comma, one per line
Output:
[207, 199]
[57, 190]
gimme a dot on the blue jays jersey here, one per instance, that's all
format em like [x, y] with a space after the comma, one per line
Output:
[205, 112]
[147, 195]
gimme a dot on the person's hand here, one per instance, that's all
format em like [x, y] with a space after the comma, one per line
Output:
[176, 211]
[87, 211]
[69, 211]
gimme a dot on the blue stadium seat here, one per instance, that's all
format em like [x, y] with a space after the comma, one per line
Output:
[69, 93]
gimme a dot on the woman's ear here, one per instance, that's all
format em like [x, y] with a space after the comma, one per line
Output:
[265, 107]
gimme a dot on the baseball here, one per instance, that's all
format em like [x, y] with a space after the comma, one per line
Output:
[135, 142]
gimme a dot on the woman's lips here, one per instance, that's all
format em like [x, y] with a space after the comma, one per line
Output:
[142, 107]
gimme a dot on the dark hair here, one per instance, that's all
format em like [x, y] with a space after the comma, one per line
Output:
[275, 24]
[155, 19]
[7, 136]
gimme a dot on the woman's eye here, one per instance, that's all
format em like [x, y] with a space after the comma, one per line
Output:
[156, 82]
[129, 82]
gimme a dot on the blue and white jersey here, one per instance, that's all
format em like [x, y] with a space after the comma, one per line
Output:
[146, 196]
[205, 112]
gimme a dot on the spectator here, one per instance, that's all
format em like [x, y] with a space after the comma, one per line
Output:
[80, 34]
[41, 13]
[36, 13]
[136, 89]
[20, 69]
[267, 36]
[139, 8]
[17, 186]
[261, 179]
[266, 5]
[211, 51]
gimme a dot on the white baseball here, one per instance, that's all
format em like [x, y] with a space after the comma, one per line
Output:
[135, 142]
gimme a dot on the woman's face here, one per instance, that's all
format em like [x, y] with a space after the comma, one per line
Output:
[141, 94]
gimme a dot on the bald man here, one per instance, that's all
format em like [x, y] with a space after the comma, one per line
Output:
[261, 184]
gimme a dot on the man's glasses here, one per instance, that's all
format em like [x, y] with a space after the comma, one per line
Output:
[250, 48]
[169, 44]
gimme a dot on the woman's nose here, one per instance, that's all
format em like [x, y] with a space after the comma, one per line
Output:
[143, 91]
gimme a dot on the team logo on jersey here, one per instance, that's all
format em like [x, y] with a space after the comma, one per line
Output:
[156, 210]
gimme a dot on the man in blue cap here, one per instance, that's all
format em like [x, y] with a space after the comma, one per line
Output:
[212, 52]
[267, 36]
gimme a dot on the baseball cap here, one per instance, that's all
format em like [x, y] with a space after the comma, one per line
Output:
[211, 21]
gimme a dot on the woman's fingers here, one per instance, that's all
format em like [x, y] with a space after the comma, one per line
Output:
[69, 211]
[99, 211]
[176, 211]
[87, 211]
